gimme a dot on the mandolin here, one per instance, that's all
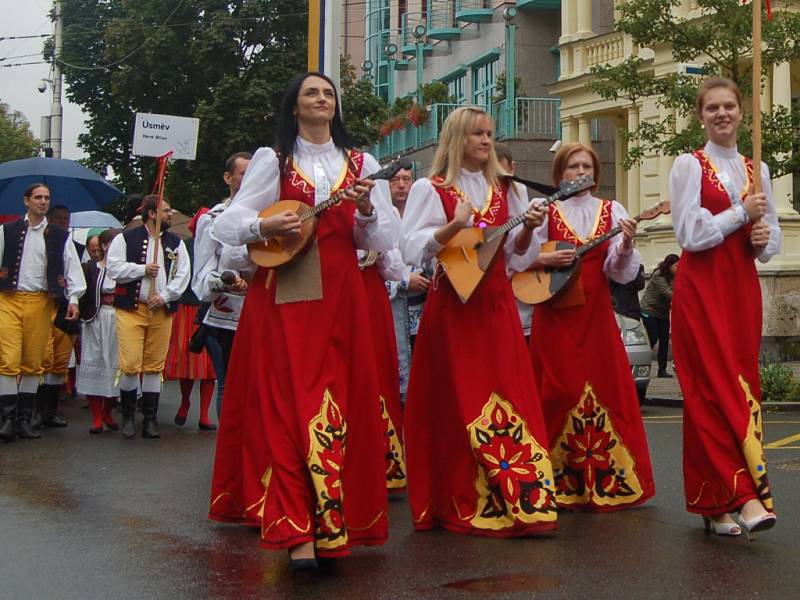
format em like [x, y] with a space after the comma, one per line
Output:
[469, 255]
[283, 249]
[541, 284]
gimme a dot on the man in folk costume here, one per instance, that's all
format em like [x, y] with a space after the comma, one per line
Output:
[40, 271]
[144, 319]
[59, 347]
[212, 258]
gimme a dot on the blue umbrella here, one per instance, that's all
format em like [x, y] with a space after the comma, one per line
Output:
[70, 183]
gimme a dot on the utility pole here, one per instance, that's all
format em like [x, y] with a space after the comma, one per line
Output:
[56, 110]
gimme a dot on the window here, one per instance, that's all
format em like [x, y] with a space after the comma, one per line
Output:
[457, 89]
[483, 82]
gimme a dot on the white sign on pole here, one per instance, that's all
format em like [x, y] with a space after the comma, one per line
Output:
[155, 135]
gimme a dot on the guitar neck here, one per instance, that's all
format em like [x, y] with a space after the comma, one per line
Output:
[332, 200]
[511, 223]
[594, 242]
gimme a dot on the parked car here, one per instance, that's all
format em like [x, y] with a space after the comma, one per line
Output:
[637, 346]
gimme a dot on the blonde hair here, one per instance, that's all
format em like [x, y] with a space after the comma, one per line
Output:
[562, 157]
[450, 153]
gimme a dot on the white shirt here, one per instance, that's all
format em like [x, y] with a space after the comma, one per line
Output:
[261, 188]
[581, 213]
[33, 266]
[424, 215]
[695, 227]
[125, 272]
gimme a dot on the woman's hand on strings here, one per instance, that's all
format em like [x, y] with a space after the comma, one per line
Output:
[359, 194]
[557, 259]
[285, 223]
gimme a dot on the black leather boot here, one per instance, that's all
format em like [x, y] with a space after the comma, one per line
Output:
[149, 412]
[127, 402]
[40, 401]
[8, 415]
[51, 418]
[25, 404]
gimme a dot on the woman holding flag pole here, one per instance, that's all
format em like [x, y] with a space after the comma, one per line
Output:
[724, 218]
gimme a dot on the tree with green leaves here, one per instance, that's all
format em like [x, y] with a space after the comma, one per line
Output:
[363, 111]
[225, 62]
[16, 139]
[721, 42]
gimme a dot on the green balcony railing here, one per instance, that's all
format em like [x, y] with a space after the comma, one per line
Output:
[473, 11]
[408, 43]
[442, 24]
[533, 118]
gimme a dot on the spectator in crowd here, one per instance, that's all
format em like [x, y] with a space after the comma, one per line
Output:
[656, 303]
[625, 296]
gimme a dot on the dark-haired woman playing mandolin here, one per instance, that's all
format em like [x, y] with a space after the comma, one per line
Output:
[302, 384]
[474, 434]
[597, 441]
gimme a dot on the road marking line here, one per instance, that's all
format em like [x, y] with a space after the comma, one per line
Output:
[783, 442]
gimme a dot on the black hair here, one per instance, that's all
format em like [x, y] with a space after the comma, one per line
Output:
[665, 266]
[149, 203]
[230, 164]
[29, 191]
[287, 130]
[133, 207]
[56, 207]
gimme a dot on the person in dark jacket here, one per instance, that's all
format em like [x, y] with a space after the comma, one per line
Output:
[656, 303]
[625, 296]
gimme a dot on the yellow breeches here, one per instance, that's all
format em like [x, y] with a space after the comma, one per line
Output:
[143, 337]
[25, 319]
[58, 350]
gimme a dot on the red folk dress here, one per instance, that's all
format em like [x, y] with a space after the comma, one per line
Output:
[299, 450]
[382, 322]
[473, 424]
[716, 336]
[597, 441]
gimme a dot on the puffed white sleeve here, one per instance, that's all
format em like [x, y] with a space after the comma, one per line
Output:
[423, 216]
[517, 204]
[76, 282]
[391, 266]
[206, 258]
[239, 223]
[695, 227]
[117, 267]
[381, 230]
[770, 218]
[621, 266]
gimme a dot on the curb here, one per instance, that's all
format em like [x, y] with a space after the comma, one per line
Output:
[766, 407]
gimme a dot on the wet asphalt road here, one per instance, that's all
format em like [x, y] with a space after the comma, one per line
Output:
[89, 517]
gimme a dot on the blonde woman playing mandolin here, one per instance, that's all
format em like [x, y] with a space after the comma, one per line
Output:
[596, 440]
[302, 384]
[475, 444]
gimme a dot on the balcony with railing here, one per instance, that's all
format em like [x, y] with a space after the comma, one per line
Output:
[442, 24]
[578, 57]
[539, 4]
[473, 11]
[408, 43]
[532, 118]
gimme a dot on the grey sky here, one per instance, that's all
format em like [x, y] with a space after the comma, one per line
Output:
[18, 84]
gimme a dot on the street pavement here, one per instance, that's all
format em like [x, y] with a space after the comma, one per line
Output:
[95, 516]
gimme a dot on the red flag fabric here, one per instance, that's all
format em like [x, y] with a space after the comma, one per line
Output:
[769, 8]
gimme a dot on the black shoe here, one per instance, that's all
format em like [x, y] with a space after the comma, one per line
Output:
[7, 433]
[127, 401]
[37, 420]
[206, 427]
[150, 429]
[127, 429]
[664, 375]
[55, 421]
[303, 564]
[26, 432]
[180, 421]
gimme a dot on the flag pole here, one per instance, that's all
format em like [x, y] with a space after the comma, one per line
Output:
[757, 96]
[163, 161]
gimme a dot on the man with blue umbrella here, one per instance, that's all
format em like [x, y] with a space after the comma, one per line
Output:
[40, 268]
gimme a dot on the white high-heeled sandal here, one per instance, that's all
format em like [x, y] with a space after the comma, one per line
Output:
[759, 523]
[720, 528]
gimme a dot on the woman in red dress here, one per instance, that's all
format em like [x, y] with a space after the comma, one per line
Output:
[597, 440]
[302, 383]
[475, 438]
[716, 318]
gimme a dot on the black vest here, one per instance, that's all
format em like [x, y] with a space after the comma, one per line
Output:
[55, 239]
[136, 243]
